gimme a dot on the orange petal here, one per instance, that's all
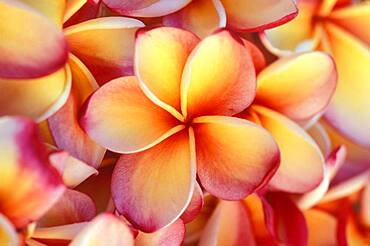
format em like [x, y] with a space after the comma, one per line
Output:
[36, 98]
[322, 228]
[146, 8]
[64, 126]
[355, 19]
[234, 156]
[25, 166]
[23, 55]
[72, 207]
[121, 118]
[302, 163]
[104, 45]
[72, 170]
[195, 205]
[252, 16]
[172, 235]
[201, 17]
[229, 225]
[8, 234]
[296, 35]
[218, 77]
[353, 86]
[160, 57]
[154, 187]
[105, 229]
[288, 86]
[365, 206]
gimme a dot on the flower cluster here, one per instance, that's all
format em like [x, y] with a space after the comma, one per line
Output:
[184, 122]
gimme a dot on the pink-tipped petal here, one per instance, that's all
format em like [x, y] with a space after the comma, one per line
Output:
[105, 229]
[173, 235]
[64, 124]
[234, 156]
[302, 163]
[201, 17]
[229, 225]
[252, 16]
[72, 207]
[258, 57]
[218, 78]
[146, 8]
[121, 118]
[160, 57]
[153, 188]
[23, 55]
[195, 205]
[105, 45]
[288, 87]
[29, 184]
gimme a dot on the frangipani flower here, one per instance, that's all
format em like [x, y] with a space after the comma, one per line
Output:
[105, 45]
[285, 89]
[29, 185]
[343, 30]
[163, 149]
[204, 16]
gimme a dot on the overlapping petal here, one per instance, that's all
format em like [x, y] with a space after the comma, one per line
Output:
[121, 118]
[71, 169]
[195, 205]
[355, 19]
[228, 225]
[72, 207]
[348, 111]
[105, 229]
[23, 55]
[249, 15]
[25, 166]
[153, 188]
[234, 156]
[201, 17]
[160, 57]
[104, 45]
[64, 124]
[288, 86]
[302, 163]
[212, 83]
[146, 8]
[17, 96]
[297, 35]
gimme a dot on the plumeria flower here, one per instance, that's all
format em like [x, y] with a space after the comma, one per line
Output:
[173, 120]
[287, 93]
[204, 16]
[341, 28]
[99, 48]
[29, 185]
